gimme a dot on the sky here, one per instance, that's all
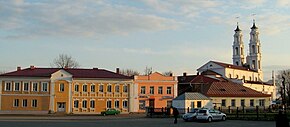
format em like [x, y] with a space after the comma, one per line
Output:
[167, 35]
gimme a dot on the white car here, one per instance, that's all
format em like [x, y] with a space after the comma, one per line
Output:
[190, 116]
[210, 115]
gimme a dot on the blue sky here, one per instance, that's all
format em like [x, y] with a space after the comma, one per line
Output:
[174, 35]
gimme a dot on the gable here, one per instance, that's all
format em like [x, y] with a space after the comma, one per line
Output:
[61, 75]
[210, 66]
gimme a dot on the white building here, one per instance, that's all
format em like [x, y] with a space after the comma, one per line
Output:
[248, 73]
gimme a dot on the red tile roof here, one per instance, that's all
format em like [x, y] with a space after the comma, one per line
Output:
[258, 82]
[77, 73]
[233, 66]
[198, 79]
[230, 89]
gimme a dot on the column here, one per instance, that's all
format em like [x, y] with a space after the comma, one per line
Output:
[70, 97]
[52, 95]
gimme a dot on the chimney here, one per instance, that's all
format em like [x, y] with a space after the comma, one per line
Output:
[184, 73]
[118, 70]
[32, 67]
[18, 68]
[170, 74]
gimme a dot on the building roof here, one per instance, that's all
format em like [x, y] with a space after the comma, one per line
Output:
[226, 65]
[230, 89]
[198, 79]
[258, 82]
[192, 96]
[75, 72]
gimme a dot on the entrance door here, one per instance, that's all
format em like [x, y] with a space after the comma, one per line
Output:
[151, 103]
[61, 106]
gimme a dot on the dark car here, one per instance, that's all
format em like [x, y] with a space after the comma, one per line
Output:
[110, 112]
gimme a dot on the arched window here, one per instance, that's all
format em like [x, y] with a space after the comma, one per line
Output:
[230, 76]
[237, 51]
[237, 62]
[237, 76]
[250, 78]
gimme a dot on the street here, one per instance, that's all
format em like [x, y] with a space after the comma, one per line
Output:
[115, 121]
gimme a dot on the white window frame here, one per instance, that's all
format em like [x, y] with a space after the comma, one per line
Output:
[86, 104]
[34, 101]
[109, 85]
[94, 103]
[143, 90]
[78, 103]
[117, 90]
[26, 102]
[42, 87]
[14, 86]
[24, 86]
[16, 104]
[169, 91]
[32, 87]
[123, 103]
[115, 104]
[151, 89]
[110, 103]
[85, 85]
[101, 85]
[93, 85]
[160, 91]
[125, 90]
[60, 87]
[78, 88]
[6, 83]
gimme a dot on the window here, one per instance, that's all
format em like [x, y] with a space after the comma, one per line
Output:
[101, 88]
[160, 90]
[25, 86]
[44, 87]
[92, 104]
[224, 102]
[34, 103]
[125, 104]
[142, 104]
[16, 86]
[237, 76]
[230, 75]
[76, 104]
[151, 89]
[117, 104]
[254, 64]
[168, 90]
[93, 88]
[125, 88]
[252, 103]
[250, 78]
[233, 102]
[85, 88]
[117, 88]
[253, 48]
[244, 78]
[24, 103]
[109, 88]
[61, 87]
[109, 104]
[16, 103]
[84, 104]
[8, 86]
[35, 87]
[143, 91]
[199, 104]
[237, 51]
[76, 88]
[262, 102]
[242, 102]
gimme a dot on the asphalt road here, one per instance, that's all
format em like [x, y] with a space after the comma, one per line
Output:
[85, 121]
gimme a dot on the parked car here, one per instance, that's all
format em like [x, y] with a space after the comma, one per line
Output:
[190, 116]
[110, 112]
[210, 115]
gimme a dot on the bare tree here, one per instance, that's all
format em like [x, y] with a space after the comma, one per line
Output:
[148, 70]
[283, 79]
[129, 72]
[167, 73]
[65, 61]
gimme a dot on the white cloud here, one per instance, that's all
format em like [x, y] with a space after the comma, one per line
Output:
[283, 3]
[78, 18]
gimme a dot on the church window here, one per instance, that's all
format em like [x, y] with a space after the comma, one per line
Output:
[237, 51]
[237, 76]
[250, 78]
[256, 79]
[253, 48]
[230, 76]
[237, 62]
[254, 64]
[242, 53]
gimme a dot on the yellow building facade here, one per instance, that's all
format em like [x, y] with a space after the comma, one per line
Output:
[77, 91]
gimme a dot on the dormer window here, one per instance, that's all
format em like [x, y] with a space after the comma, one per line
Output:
[222, 89]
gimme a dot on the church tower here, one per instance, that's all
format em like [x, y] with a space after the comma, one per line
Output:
[254, 56]
[238, 47]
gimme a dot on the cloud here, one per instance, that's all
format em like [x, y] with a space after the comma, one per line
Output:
[77, 18]
[283, 3]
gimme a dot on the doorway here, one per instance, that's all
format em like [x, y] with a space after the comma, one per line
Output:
[151, 103]
[61, 107]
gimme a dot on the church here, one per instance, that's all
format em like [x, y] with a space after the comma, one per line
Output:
[244, 70]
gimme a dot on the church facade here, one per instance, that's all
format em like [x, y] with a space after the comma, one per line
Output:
[245, 70]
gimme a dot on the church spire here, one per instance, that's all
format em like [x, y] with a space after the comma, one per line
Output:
[238, 47]
[254, 25]
[238, 29]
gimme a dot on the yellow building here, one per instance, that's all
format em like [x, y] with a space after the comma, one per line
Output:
[78, 91]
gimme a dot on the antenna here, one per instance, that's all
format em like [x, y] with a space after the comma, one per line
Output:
[253, 15]
[237, 18]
